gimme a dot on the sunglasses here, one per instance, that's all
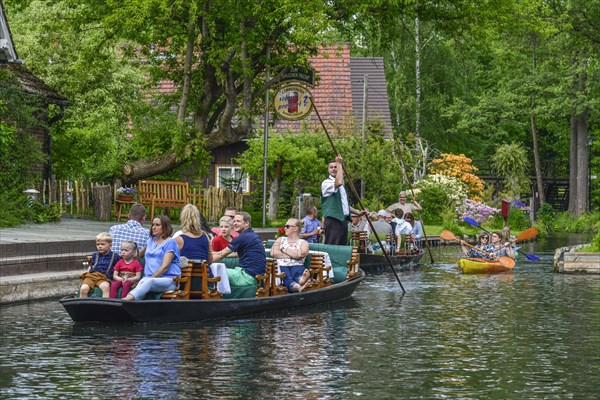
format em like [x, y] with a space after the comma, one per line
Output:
[288, 226]
[484, 237]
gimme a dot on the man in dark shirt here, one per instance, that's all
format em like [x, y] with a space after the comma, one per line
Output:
[249, 249]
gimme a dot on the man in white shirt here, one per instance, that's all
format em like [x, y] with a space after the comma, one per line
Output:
[334, 204]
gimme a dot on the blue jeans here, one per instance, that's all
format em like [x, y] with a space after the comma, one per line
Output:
[292, 275]
[147, 284]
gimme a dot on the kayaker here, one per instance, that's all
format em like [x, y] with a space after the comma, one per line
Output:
[483, 244]
[500, 248]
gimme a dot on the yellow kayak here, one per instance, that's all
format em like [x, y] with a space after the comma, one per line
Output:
[483, 266]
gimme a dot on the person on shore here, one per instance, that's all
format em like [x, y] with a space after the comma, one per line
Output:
[312, 226]
[483, 244]
[194, 241]
[229, 212]
[250, 250]
[290, 252]
[403, 205]
[334, 204]
[222, 240]
[132, 229]
[162, 261]
[101, 267]
[128, 270]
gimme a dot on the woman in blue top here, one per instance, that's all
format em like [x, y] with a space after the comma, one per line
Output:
[194, 241]
[162, 261]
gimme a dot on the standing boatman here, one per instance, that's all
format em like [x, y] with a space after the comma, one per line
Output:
[334, 204]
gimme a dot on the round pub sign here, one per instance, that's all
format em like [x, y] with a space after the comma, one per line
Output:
[293, 102]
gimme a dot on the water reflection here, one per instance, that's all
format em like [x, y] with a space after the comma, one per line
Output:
[526, 334]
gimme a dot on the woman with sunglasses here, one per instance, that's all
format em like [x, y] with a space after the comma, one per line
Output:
[483, 244]
[290, 252]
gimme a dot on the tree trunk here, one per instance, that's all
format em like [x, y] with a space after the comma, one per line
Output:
[187, 73]
[274, 192]
[102, 202]
[579, 154]
[579, 163]
[537, 163]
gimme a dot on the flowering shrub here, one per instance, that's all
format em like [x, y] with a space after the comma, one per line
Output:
[126, 191]
[460, 167]
[477, 211]
[454, 189]
[438, 194]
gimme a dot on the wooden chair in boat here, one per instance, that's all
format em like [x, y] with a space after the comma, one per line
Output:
[353, 265]
[264, 281]
[319, 273]
[208, 286]
[182, 291]
[277, 289]
[360, 239]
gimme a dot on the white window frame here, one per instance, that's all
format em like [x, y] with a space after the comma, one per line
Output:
[233, 169]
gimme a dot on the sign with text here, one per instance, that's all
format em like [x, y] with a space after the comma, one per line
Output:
[299, 74]
[293, 102]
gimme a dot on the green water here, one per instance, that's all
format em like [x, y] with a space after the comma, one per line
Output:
[528, 334]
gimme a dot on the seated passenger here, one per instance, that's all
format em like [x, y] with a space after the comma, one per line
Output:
[290, 252]
[128, 270]
[100, 268]
[162, 261]
[195, 238]
[224, 238]
[250, 250]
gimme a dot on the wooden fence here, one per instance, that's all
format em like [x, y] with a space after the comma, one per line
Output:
[76, 197]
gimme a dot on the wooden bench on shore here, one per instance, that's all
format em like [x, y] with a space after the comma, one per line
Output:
[165, 194]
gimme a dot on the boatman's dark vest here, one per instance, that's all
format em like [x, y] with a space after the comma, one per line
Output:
[331, 206]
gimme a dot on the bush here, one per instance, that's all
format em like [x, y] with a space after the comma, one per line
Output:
[434, 201]
[517, 220]
[545, 215]
[39, 213]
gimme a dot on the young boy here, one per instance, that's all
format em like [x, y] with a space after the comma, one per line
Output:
[101, 267]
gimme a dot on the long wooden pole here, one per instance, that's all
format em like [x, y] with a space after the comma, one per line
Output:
[412, 192]
[357, 196]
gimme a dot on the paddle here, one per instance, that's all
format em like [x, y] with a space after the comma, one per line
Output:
[525, 235]
[505, 261]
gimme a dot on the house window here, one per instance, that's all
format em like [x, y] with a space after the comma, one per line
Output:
[230, 177]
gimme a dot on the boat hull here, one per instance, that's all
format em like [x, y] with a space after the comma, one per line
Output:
[377, 263]
[481, 266]
[171, 311]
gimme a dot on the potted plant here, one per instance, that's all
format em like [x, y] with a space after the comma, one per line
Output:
[126, 193]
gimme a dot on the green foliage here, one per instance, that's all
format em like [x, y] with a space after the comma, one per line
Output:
[435, 202]
[545, 216]
[450, 222]
[510, 163]
[517, 220]
[596, 242]
[20, 153]
[40, 213]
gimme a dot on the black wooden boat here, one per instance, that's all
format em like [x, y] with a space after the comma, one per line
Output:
[170, 311]
[375, 263]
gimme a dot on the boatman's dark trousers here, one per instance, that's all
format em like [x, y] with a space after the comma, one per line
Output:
[336, 231]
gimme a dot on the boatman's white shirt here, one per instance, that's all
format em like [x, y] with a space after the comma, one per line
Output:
[328, 188]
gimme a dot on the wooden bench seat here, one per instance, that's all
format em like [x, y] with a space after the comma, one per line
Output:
[164, 194]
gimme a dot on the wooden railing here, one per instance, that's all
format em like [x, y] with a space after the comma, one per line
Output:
[76, 197]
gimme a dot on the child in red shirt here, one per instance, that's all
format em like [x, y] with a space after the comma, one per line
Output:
[128, 270]
[221, 241]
